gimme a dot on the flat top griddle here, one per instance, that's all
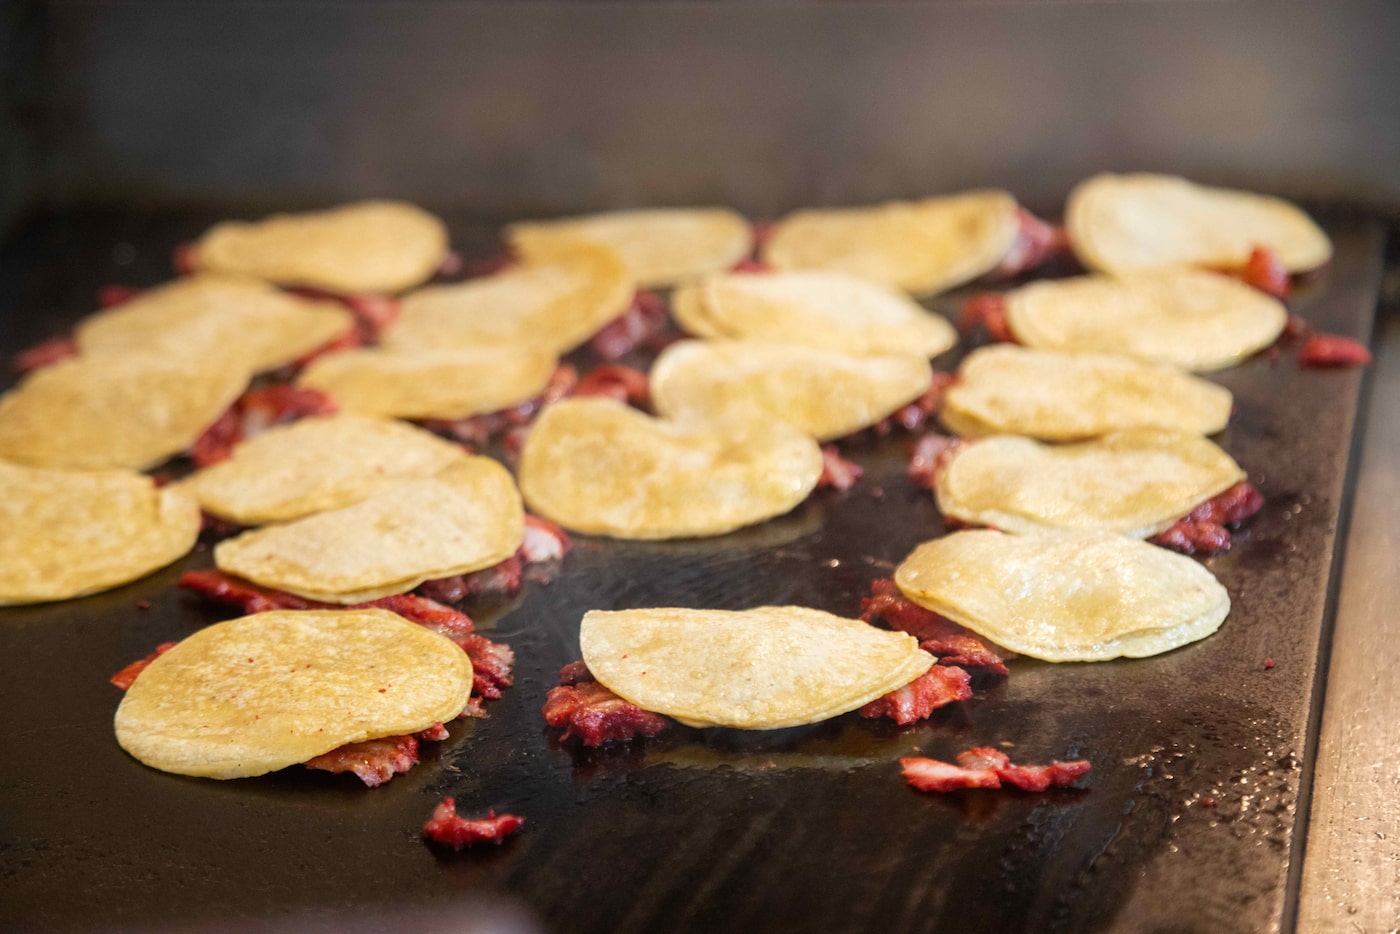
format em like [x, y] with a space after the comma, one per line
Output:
[803, 829]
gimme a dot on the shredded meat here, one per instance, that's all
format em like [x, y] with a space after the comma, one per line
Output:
[373, 313]
[502, 579]
[449, 829]
[355, 337]
[492, 663]
[643, 324]
[373, 761]
[127, 676]
[614, 381]
[45, 353]
[930, 455]
[1036, 242]
[223, 588]
[983, 767]
[480, 429]
[1204, 531]
[986, 310]
[253, 413]
[575, 673]
[544, 541]
[1321, 350]
[937, 634]
[110, 296]
[837, 472]
[596, 715]
[939, 686]
[1266, 272]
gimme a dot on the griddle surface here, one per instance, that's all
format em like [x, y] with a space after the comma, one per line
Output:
[806, 829]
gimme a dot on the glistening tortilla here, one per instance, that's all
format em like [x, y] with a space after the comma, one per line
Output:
[315, 465]
[69, 533]
[1199, 321]
[368, 246]
[826, 310]
[1075, 597]
[117, 410]
[1134, 483]
[921, 247]
[1004, 389]
[823, 393]
[552, 305]
[208, 315]
[1129, 223]
[660, 246]
[465, 518]
[446, 383]
[263, 692]
[598, 467]
[760, 669]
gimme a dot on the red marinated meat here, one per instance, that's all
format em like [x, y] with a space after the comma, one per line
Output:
[1266, 272]
[837, 472]
[1036, 242]
[185, 259]
[110, 296]
[348, 341]
[450, 829]
[1204, 530]
[986, 310]
[917, 413]
[373, 761]
[939, 686]
[127, 676]
[499, 579]
[575, 673]
[492, 663]
[444, 589]
[749, 264]
[1295, 327]
[613, 381]
[490, 265]
[435, 733]
[596, 715]
[642, 324]
[544, 541]
[480, 429]
[937, 635]
[931, 453]
[983, 767]
[762, 232]
[373, 313]
[223, 588]
[253, 413]
[451, 265]
[45, 353]
[1323, 350]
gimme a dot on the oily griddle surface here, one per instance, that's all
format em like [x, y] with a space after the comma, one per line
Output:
[1188, 821]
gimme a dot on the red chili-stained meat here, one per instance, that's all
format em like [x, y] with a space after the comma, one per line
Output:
[986, 310]
[223, 588]
[480, 429]
[435, 733]
[1204, 530]
[45, 353]
[449, 829]
[762, 232]
[110, 296]
[596, 715]
[500, 579]
[937, 635]
[642, 324]
[749, 264]
[613, 381]
[490, 265]
[1036, 242]
[983, 767]
[917, 413]
[1295, 327]
[1266, 272]
[939, 686]
[575, 673]
[544, 541]
[185, 259]
[348, 341]
[373, 313]
[253, 413]
[451, 264]
[492, 663]
[837, 472]
[373, 761]
[1321, 350]
[930, 454]
[444, 589]
[127, 676]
